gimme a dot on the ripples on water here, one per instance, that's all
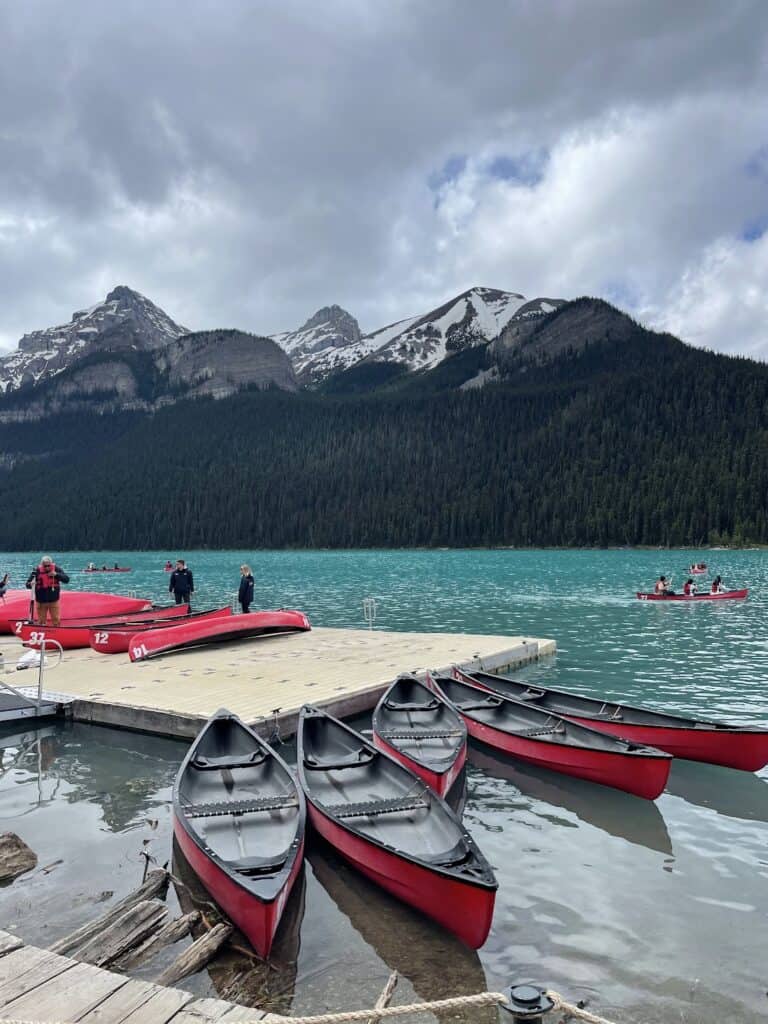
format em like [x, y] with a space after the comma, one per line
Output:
[652, 910]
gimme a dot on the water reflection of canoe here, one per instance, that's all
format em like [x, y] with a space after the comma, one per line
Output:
[405, 940]
[732, 793]
[234, 974]
[619, 814]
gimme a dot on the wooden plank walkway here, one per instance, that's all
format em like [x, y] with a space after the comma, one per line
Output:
[343, 670]
[37, 985]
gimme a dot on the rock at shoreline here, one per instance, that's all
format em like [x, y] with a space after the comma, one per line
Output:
[15, 857]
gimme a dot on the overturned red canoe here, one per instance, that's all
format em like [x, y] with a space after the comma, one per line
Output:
[73, 634]
[153, 642]
[724, 595]
[733, 746]
[421, 731]
[549, 740]
[239, 818]
[80, 604]
[116, 639]
[391, 827]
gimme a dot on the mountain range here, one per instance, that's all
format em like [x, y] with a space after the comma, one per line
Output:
[126, 352]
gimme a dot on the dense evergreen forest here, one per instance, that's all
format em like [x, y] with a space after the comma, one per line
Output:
[647, 443]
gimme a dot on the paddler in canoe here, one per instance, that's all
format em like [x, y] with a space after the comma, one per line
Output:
[689, 587]
[717, 586]
[663, 586]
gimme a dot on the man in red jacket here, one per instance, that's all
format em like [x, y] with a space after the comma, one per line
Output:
[47, 579]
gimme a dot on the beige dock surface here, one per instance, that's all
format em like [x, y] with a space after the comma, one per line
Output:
[344, 670]
[36, 985]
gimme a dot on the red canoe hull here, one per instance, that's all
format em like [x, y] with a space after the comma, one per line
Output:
[747, 751]
[728, 595]
[153, 642]
[462, 908]
[74, 635]
[117, 639]
[257, 919]
[73, 604]
[440, 782]
[121, 569]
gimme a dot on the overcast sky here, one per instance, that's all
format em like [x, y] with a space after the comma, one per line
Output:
[242, 163]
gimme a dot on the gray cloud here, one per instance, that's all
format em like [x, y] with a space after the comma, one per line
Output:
[243, 164]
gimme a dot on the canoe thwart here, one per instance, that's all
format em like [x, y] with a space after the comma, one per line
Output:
[479, 705]
[430, 705]
[356, 760]
[421, 734]
[218, 808]
[207, 764]
[375, 807]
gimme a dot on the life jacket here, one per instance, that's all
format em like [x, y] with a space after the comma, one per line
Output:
[46, 577]
[688, 589]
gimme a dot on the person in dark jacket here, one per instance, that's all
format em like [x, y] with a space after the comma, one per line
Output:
[245, 593]
[3, 585]
[181, 584]
[46, 579]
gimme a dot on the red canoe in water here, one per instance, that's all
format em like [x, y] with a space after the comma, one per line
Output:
[115, 568]
[73, 634]
[239, 819]
[544, 738]
[116, 639]
[383, 819]
[74, 604]
[724, 595]
[421, 731]
[732, 746]
[153, 642]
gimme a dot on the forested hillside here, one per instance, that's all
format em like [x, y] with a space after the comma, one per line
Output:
[644, 443]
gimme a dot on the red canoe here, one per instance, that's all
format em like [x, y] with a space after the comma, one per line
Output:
[724, 595]
[239, 818]
[193, 634]
[546, 739]
[732, 746]
[422, 731]
[698, 572]
[391, 827]
[73, 634]
[116, 639]
[74, 604]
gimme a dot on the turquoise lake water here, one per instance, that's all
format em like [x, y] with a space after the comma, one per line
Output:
[653, 911]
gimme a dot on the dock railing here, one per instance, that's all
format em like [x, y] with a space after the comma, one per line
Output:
[33, 644]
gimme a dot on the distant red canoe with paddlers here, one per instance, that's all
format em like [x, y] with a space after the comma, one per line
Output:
[723, 595]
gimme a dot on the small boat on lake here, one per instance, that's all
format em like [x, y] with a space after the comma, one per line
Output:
[723, 595]
[732, 746]
[116, 638]
[104, 568]
[697, 570]
[73, 634]
[422, 731]
[239, 819]
[384, 820]
[547, 739]
[254, 625]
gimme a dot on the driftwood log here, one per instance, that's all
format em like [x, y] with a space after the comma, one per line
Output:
[171, 932]
[155, 885]
[134, 926]
[15, 857]
[196, 956]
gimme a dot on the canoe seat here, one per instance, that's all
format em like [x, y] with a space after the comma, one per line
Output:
[422, 734]
[356, 760]
[430, 705]
[207, 764]
[218, 808]
[546, 730]
[530, 694]
[607, 711]
[375, 807]
[479, 705]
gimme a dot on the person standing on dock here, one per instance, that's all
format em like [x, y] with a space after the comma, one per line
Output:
[245, 593]
[46, 579]
[181, 583]
[3, 585]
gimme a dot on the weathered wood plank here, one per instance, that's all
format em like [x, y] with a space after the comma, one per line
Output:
[132, 928]
[46, 967]
[19, 961]
[138, 1002]
[155, 884]
[196, 956]
[170, 933]
[200, 1011]
[241, 1013]
[9, 942]
[66, 997]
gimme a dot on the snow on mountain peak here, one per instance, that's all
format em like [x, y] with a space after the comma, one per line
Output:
[329, 328]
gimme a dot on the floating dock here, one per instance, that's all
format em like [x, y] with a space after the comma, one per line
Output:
[41, 986]
[344, 671]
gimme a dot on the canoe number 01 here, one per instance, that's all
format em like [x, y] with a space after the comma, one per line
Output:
[140, 651]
